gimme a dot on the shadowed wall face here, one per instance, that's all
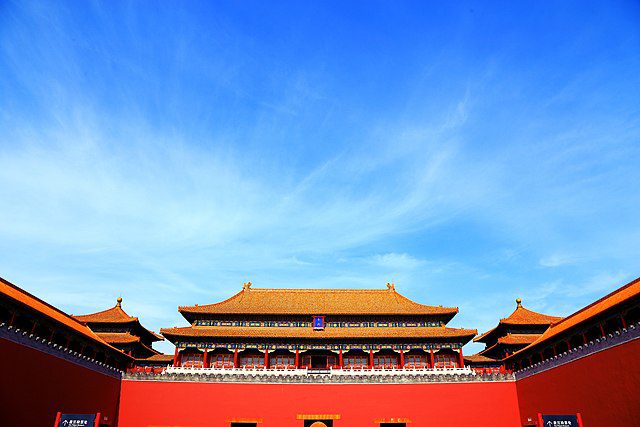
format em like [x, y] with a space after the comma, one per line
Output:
[36, 385]
[603, 387]
[357, 405]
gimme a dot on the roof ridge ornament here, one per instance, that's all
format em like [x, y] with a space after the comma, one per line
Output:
[391, 286]
[519, 303]
[246, 286]
[119, 302]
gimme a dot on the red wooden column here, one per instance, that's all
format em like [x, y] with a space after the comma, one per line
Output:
[175, 357]
[460, 359]
[584, 338]
[432, 359]
[297, 364]
[401, 359]
[340, 358]
[602, 330]
[235, 358]
[96, 423]
[266, 358]
[205, 359]
[624, 323]
[370, 359]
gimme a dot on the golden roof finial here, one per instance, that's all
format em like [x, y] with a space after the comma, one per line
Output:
[119, 302]
[391, 286]
[519, 302]
[246, 286]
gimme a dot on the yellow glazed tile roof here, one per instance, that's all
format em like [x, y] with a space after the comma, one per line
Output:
[520, 316]
[318, 301]
[516, 339]
[115, 315]
[13, 292]
[328, 333]
[584, 315]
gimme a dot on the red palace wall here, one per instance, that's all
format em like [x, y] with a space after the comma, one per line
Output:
[35, 385]
[178, 404]
[604, 387]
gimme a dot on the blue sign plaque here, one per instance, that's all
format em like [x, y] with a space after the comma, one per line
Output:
[77, 420]
[560, 421]
[318, 322]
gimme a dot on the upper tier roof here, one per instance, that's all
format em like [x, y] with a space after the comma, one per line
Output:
[520, 317]
[48, 311]
[318, 301]
[116, 315]
[610, 302]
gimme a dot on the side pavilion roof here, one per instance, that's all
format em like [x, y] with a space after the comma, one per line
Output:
[627, 294]
[520, 317]
[23, 298]
[116, 315]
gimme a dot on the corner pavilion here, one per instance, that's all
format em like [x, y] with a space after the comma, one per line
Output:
[513, 333]
[122, 331]
[318, 329]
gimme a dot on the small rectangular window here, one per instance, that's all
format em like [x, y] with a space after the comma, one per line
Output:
[191, 360]
[385, 361]
[252, 361]
[355, 362]
[222, 361]
[445, 360]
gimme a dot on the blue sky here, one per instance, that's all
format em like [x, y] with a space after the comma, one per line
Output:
[472, 153]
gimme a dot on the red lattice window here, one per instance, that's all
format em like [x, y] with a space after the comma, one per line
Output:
[355, 362]
[415, 361]
[385, 361]
[192, 360]
[252, 361]
[445, 360]
[281, 360]
[221, 360]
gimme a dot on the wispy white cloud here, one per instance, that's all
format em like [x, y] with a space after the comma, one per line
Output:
[556, 260]
[396, 260]
[170, 168]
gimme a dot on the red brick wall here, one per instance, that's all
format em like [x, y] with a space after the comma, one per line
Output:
[213, 404]
[35, 385]
[604, 387]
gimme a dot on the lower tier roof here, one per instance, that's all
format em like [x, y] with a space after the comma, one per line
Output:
[479, 358]
[308, 333]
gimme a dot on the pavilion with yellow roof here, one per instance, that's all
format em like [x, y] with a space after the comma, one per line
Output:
[122, 331]
[318, 329]
[515, 332]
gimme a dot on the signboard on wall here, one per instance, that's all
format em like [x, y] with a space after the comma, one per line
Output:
[560, 421]
[76, 420]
